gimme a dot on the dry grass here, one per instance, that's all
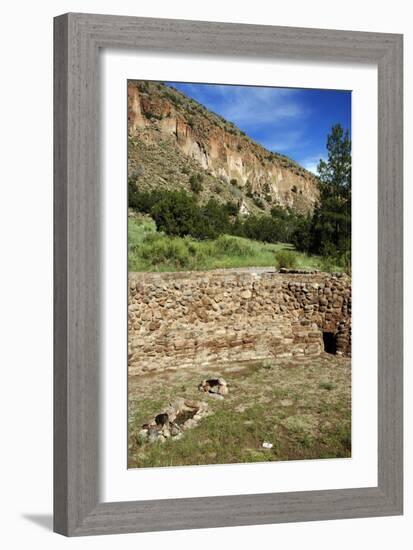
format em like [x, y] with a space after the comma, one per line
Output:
[301, 406]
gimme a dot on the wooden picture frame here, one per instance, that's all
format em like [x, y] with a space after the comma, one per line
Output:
[78, 39]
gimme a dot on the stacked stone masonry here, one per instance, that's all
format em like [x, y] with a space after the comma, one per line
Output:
[180, 319]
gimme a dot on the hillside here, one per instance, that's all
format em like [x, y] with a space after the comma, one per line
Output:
[173, 140]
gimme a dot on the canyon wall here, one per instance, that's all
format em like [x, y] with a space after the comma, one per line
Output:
[187, 318]
[161, 116]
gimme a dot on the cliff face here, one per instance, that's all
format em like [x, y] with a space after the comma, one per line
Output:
[172, 136]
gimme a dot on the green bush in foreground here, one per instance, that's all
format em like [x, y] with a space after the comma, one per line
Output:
[286, 258]
[160, 249]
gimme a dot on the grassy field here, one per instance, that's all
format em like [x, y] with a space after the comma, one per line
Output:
[301, 406]
[149, 250]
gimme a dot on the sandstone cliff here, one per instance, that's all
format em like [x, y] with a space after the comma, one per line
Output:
[172, 137]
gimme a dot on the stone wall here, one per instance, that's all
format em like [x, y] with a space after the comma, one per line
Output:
[178, 319]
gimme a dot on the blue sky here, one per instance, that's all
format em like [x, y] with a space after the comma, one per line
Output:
[291, 121]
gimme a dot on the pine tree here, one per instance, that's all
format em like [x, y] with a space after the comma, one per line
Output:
[331, 223]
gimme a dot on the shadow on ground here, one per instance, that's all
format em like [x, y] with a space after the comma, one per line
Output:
[43, 520]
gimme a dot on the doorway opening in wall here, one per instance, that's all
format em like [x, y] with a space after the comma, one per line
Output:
[330, 344]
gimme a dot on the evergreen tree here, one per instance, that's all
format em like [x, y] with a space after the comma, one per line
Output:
[331, 223]
[335, 174]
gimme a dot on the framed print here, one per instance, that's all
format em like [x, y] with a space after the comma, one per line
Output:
[228, 274]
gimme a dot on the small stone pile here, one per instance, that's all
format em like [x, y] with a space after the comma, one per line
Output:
[180, 415]
[215, 387]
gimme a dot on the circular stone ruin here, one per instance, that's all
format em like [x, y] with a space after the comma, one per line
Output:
[172, 422]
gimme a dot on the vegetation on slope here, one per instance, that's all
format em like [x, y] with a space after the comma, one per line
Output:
[150, 250]
[194, 235]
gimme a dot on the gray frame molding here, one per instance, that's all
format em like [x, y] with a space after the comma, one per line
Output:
[78, 39]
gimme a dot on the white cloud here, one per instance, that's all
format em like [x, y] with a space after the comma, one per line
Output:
[256, 106]
[288, 140]
[311, 167]
[311, 163]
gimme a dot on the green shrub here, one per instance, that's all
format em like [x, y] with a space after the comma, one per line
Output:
[231, 208]
[174, 97]
[134, 174]
[156, 116]
[300, 235]
[196, 186]
[142, 201]
[195, 182]
[344, 260]
[286, 258]
[258, 202]
[232, 247]
[235, 191]
[212, 221]
[327, 264]
[152, 237]
[259, 228]
[165, 250]
[176, 213]
[143, 86]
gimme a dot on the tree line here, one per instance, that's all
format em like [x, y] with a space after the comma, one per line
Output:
[326, 232]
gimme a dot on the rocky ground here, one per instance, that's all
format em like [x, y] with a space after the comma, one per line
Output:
[283, 409]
